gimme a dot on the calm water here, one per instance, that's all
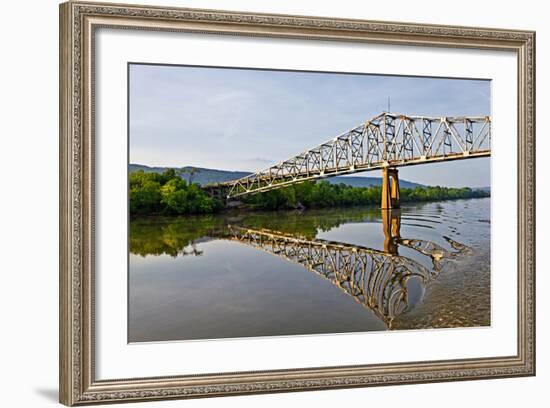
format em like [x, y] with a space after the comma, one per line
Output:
[319, 271]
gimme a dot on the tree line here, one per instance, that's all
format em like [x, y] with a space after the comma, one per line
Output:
[323, 194]
[169, 194]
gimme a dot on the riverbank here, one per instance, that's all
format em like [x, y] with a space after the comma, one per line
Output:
[310, 195]
[169, 194]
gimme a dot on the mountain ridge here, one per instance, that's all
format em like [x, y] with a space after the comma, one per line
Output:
[205, 176]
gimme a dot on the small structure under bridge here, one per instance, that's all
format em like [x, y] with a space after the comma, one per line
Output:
[385, 142]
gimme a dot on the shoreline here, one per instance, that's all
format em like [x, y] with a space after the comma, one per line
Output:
[256, 210]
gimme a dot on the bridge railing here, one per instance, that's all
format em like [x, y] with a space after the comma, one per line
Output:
[385, 140]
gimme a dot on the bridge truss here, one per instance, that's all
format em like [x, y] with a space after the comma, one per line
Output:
[387, 140]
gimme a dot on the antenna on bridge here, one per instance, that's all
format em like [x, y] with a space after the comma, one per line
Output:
[389, 104]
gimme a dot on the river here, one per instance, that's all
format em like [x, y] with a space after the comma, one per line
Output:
[318, 271]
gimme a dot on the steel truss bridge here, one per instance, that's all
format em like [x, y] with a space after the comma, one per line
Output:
[386, 142]
[375, 279]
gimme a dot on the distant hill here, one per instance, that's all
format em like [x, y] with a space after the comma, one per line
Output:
[369, 181]
[202, 176]
[205, 176]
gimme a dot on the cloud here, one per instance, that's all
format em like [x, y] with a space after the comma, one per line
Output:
[260, 160]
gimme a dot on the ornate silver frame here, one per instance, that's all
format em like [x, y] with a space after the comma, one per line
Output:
[78, 22]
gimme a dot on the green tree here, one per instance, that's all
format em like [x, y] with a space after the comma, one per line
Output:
[167, 193]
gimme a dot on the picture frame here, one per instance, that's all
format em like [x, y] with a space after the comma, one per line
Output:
[79, 22]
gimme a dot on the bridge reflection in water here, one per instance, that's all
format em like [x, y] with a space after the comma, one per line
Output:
[378, 280]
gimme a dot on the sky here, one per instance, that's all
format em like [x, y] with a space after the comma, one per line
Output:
[248, 120]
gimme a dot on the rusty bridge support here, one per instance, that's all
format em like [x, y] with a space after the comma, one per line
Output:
[391, 226]
[390, 189]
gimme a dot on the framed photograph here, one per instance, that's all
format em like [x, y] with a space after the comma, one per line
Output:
[256, 203]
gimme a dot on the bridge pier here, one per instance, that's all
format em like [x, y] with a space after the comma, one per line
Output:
[218, 192]
[391, 226]
[390, 189]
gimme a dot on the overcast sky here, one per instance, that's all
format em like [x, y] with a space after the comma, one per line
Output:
[235, 119]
